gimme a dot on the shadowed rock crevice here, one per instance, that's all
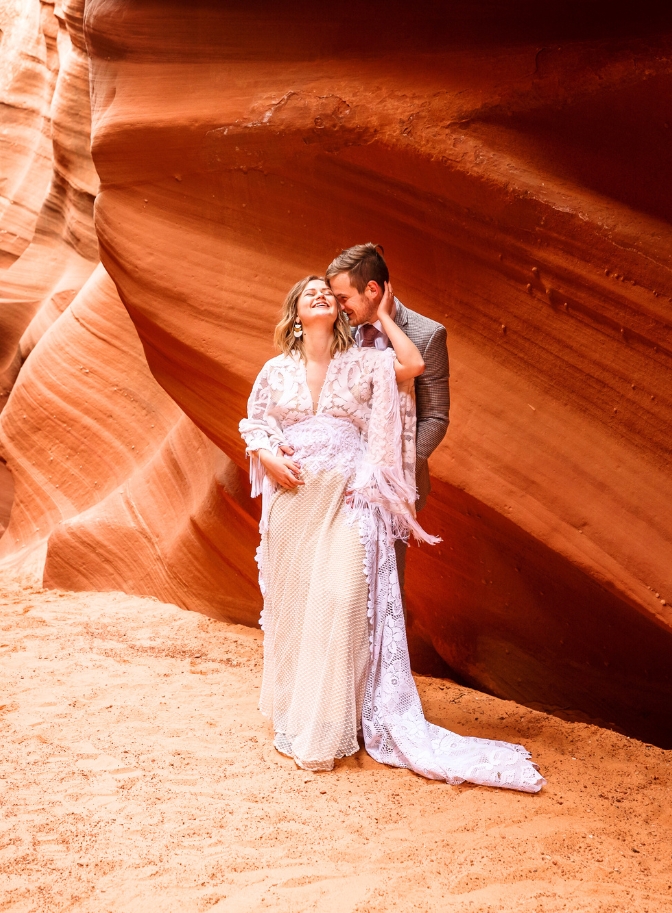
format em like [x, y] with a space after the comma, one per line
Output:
[599, 658]
[6, 496]
[258, 31]
[616, 142]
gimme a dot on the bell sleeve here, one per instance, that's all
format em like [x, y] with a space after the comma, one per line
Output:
[385, 478]
[260, 430]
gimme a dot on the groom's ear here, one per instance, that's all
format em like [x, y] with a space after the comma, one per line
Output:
[373, 289]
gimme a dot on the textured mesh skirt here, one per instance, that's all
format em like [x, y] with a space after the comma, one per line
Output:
[316, 640]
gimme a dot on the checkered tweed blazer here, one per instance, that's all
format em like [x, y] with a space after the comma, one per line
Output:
[432, 393]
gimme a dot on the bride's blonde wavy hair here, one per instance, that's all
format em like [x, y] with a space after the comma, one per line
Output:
[284, 332]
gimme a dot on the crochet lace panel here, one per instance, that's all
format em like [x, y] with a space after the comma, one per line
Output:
[394, 725]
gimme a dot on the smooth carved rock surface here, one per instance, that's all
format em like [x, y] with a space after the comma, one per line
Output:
[514, 164]
[51, 181]
[113, 479]
[28, 69]
[48, 245]
[102, 475]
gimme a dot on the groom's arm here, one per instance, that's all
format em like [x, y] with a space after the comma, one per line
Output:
[432, 396]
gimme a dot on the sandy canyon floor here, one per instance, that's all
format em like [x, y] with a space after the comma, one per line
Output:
[137, 775]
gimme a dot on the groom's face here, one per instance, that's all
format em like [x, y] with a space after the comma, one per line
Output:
[361, 307]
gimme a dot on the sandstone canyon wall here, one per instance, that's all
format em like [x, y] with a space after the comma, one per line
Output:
[514, 162]
[48, 243]
[96, 458]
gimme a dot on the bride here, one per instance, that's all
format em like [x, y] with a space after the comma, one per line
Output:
[330, 434]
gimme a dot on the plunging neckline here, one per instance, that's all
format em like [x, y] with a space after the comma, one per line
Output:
[315, 407]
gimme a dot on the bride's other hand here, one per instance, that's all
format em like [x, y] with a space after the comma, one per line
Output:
[281, 469]
[386, 306]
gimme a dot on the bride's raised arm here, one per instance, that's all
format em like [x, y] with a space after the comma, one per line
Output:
[408, 362]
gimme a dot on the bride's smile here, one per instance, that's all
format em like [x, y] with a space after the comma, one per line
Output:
[317, 299]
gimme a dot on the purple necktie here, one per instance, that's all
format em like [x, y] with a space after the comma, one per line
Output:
[367, 336]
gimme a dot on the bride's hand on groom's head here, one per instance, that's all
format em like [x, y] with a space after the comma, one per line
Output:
[386, 306]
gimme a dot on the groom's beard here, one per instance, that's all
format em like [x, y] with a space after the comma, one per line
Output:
[371, 318]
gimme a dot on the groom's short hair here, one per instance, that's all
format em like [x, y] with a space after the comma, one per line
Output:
[362, 263]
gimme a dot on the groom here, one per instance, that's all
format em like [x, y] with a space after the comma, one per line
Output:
[357, 278]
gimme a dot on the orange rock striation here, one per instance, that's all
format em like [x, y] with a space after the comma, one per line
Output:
[28, 69]
[50, 182]
[514, 163]
[96, 456]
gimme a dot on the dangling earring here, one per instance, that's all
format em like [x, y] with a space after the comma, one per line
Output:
[298, 329]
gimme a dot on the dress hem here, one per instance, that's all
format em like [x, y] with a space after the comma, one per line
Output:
[325, 764]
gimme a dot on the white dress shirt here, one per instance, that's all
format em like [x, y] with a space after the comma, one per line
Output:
[382, 340]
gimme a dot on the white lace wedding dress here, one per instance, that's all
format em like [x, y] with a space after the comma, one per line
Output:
[335, 653]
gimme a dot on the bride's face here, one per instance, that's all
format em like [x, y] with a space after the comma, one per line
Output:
[317, 303]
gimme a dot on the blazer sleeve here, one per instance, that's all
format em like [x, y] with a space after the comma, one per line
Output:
[433, 396]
